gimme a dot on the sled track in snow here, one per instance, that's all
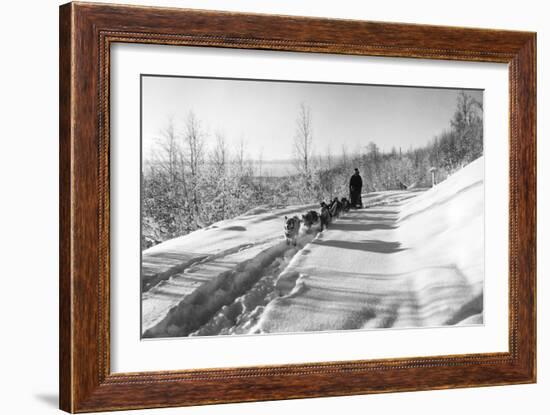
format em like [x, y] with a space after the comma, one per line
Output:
[231, 302]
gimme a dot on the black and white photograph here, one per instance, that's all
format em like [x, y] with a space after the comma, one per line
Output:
[281, 206]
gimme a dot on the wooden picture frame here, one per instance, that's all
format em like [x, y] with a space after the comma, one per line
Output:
[86, 33]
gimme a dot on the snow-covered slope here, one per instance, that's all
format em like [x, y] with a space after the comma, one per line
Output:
[411, 258]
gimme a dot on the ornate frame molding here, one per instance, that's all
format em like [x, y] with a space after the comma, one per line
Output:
[86, 34]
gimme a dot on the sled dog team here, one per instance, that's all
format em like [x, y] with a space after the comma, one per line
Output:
[310, 218]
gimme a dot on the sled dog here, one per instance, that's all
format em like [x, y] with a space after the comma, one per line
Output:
[335, 207]
[310, 218]
[345, 205]
[325, 216]
[291, 228]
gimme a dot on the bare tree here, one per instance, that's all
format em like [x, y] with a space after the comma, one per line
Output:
[329, 166]
[303, 140]
[219, 154]
[466, 111]
[240, 159]
[165, 199]
[219, 161]
[373, 151]
[194, 143]
[260, 165]
[167, 157]
[169, 160]
[243, 162]
[329, 159]
[467, 125]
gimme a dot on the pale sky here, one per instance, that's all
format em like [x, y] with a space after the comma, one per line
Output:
[264, 113]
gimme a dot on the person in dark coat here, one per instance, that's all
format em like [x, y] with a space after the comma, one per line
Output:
[355, 185]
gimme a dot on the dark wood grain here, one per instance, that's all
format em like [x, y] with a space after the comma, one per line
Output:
[65, 247]
[86, 33]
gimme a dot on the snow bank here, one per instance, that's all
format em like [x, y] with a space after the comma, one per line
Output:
[446, 223]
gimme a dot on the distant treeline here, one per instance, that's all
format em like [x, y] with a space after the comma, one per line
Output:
[187, 185]
[447, 152]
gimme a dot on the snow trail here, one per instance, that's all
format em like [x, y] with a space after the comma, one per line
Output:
[409, 260]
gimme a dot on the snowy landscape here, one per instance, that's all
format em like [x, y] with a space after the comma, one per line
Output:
[217, 258]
